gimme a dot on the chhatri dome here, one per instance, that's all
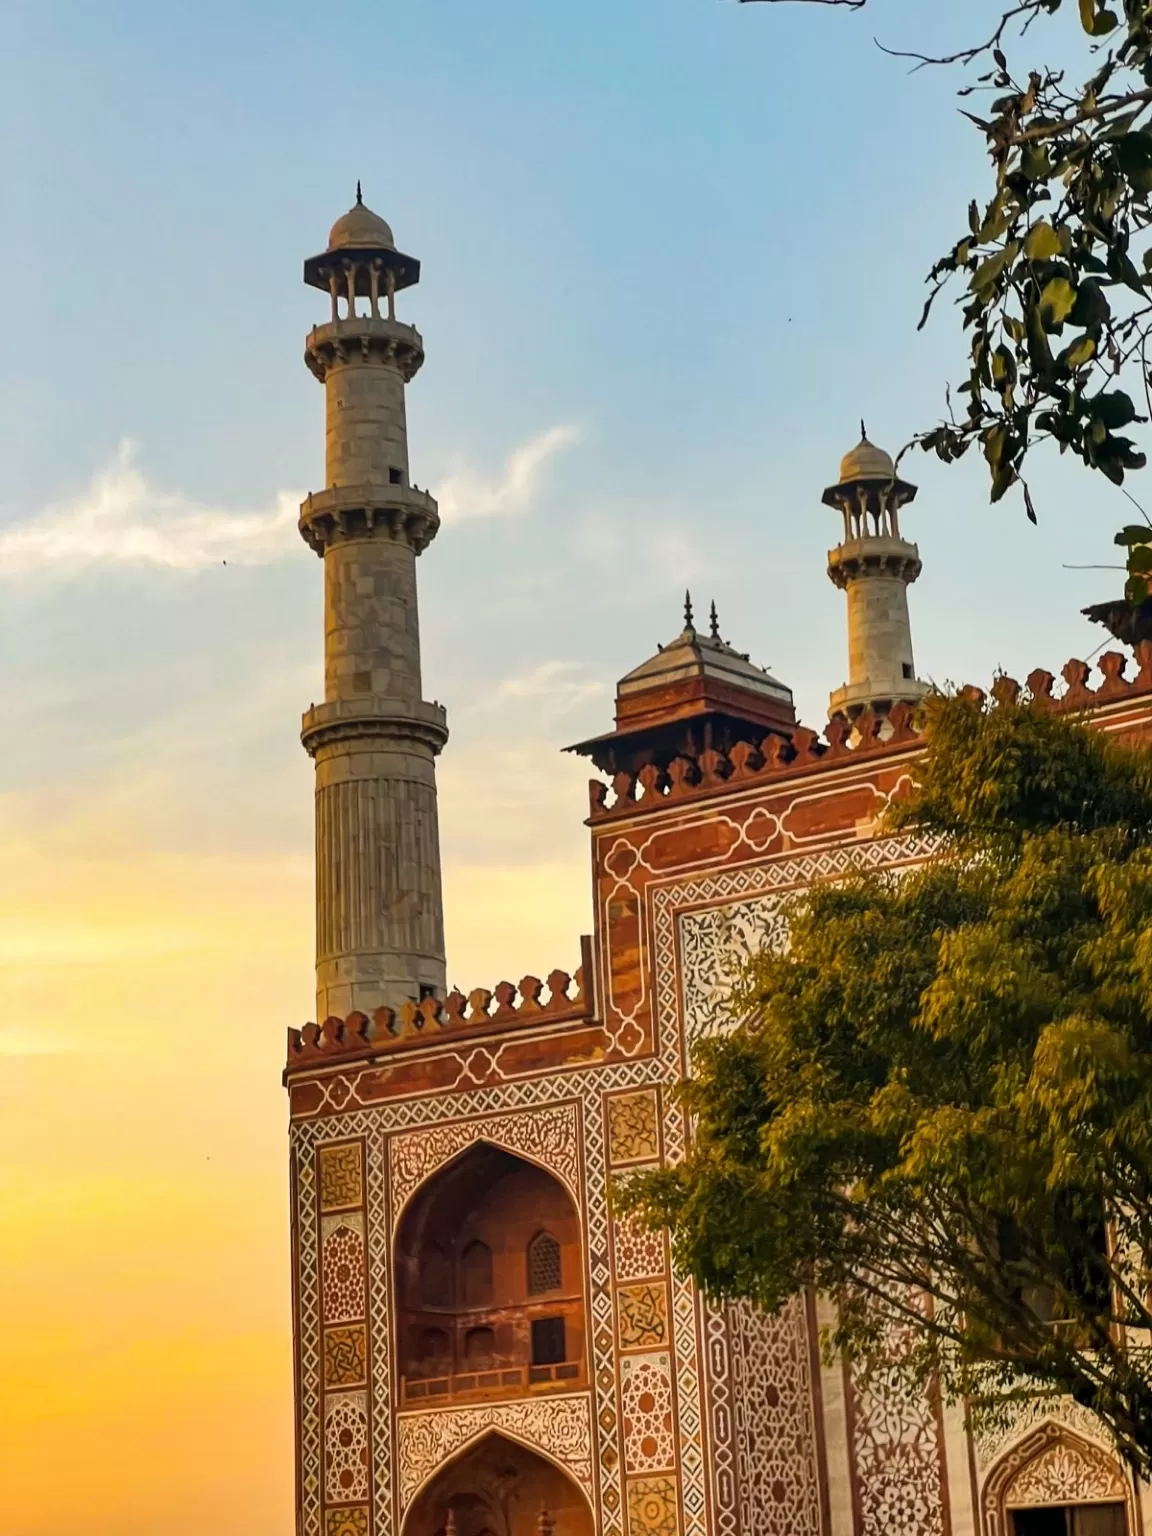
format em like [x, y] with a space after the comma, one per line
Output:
[360, 229]
[866, 461]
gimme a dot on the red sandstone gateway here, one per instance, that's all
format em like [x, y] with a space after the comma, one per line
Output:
[481, 1348]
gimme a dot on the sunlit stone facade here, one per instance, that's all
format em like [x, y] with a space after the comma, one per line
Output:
[481, 1347]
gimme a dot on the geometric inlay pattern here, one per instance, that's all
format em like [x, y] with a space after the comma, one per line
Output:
[561, 1427]
[347, 1522]
[633, 1127]
[342, 1248]
[346, 1356]
[547, 1136]
[775, 1428]
[639, 1253]
[350, 1106]
[714, 944]
[642, 1316]
[652, 1507]
[341, 1176]
[897, 1448]
[646, 1396]
[346, 1447]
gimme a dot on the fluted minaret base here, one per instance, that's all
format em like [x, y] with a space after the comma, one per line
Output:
[379, 924]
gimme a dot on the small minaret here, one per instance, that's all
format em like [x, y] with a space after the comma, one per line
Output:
[379, 911]
[874, 566]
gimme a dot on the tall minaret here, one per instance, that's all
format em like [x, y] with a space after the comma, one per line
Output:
[874, 567]
[379, 911]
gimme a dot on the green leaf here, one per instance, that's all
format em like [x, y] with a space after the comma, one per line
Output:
[1042, 243]
[1140, 559]
[1134, 533]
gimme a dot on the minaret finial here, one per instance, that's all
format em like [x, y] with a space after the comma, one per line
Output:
[714, 621]
[688, 610]
[863, 431]
[545, 1524]
[359, 194]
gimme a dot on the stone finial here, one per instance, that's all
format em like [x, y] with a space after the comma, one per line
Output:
[359, 194]
[688, 610]
[714, 622]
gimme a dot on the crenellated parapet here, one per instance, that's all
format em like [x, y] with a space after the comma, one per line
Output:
[870, 736]
[561, 998]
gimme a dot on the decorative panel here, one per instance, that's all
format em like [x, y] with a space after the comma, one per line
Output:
[341, 1176]
[638, 1253]
[633, 1127]
[646, 1399]
[342, 1249]
[346, 1447]
[642, 1315]
[561, 1427]
[652, 1507]
[346, 1356]
[775, 1423]
[347, 1522]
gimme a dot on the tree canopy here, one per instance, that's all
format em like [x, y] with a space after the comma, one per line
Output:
[937, 1103]
[1052, 263]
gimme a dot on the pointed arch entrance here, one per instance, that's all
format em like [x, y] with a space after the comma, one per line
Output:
[489, 1283]
[1054, 1482]
[498, 1487]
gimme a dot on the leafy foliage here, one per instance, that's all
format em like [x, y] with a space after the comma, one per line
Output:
[943, 1087]
[1055, 263]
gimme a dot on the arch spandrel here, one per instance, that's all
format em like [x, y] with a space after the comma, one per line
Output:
[557, 1429]
[548, 1137]
[1053, 1466]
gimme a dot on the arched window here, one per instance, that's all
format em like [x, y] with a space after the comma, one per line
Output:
[543, 1264]
[435, 1352]
[476, 1275]
[435, 1277]
[479, 1347]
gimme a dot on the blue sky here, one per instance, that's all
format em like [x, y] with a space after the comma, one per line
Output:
[672, 251]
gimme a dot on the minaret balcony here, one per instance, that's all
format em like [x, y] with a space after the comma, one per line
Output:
[364, 338]
[873, 555]
[371, 716]
[369, 511]
[877, 695]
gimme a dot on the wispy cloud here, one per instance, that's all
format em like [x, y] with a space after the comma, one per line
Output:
[123, 519]
[552, 689]
[465, 494]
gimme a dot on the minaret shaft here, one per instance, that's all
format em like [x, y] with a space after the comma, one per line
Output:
[379, 910]
[879, 631]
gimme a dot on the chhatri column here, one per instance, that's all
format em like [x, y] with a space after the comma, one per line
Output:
[379, 910]
[874, 567]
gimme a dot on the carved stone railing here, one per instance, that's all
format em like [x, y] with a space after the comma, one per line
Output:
[558, 1000]
[777, 757]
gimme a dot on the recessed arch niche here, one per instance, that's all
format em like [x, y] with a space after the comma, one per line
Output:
[498, 1487]
[1054, 1479]
[489, 1282]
